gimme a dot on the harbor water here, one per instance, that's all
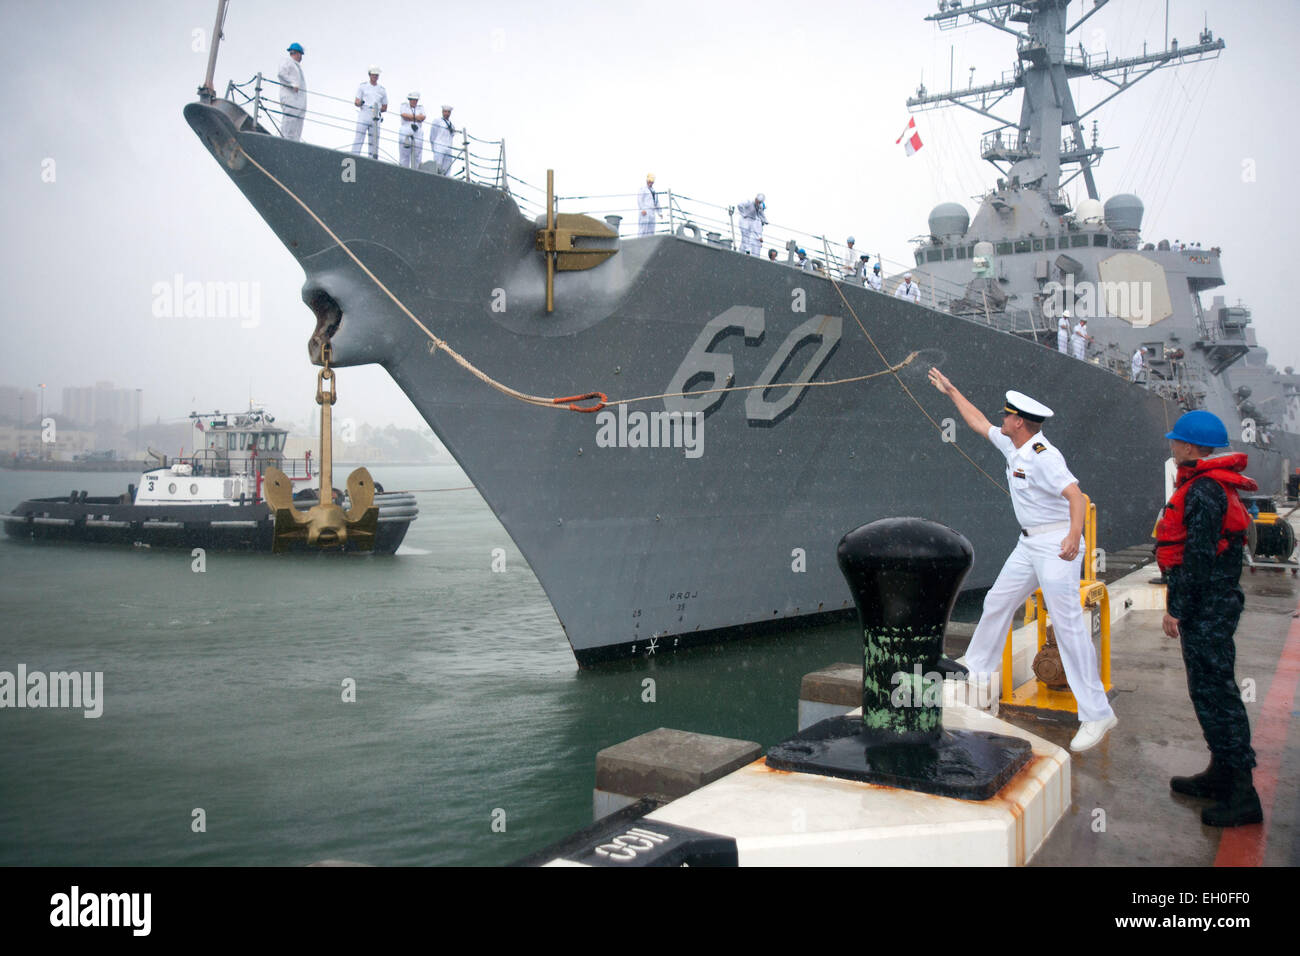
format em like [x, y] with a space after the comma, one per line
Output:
[227, 736]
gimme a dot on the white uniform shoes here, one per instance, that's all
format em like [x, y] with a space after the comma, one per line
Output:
[1091, 733]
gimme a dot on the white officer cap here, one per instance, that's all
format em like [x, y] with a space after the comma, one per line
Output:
[446, 107]
[1065, 314]
[1018, 403]
[413, 95]
[374, 70]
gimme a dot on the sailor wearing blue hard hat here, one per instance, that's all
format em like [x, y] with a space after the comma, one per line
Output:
[874, 281]
[293, 93]
[1199, 542]
[1050, 509]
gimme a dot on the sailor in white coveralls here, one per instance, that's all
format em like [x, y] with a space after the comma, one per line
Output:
[1050, 510]
[1063, 334]
[293, 93]
[372, 103]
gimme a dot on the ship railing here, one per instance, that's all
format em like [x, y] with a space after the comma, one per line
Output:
[211, 465]
[331, 121]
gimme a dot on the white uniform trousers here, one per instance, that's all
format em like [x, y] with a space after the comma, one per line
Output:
[366, 126]
[751, 236]
[1033, 564]
[1063, 342]
[410, 147]
[646, 224]
[293, 106]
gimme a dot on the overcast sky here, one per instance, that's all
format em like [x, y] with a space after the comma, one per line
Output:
[719, 99]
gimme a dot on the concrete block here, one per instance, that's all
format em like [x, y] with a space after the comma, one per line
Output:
[665, 764]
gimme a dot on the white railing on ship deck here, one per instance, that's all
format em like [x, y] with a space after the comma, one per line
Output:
[483, 161]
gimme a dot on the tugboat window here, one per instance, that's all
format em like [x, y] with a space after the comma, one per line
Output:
[171, 488]
[194, 489]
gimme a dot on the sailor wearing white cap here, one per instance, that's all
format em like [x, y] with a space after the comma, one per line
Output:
[1050, 509]
[372, 103]
[852, 264]
[410, 141]
[1063, 334]
[1079, 340]
[752, 222]
[293, 92]
[647, 206]
[440, 138]
[1138, 365]
[907, 289]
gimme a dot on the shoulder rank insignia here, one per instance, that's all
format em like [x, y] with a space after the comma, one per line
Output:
[1039, 447]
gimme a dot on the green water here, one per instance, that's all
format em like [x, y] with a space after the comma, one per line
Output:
[223, 690]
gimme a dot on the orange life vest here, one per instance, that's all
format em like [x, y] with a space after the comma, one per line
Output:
[1171, 531]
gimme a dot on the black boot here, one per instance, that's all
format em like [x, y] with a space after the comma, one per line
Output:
[1210, 782]
[1239, 807]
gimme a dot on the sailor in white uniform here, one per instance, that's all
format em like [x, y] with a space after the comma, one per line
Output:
[372, 103]
[907, 289]
[1050, 510]
[647, 206]
[1063, 334]
[440, 138]
[410, 141]
[293, 93]
[852, 264]
[1139, 364]
[874, 281]
[1079, 340]
[752, 222]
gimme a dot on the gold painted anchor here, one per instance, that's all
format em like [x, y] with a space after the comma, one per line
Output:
[325, 525]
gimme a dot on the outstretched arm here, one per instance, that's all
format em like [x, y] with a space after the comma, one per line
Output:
[971, 415]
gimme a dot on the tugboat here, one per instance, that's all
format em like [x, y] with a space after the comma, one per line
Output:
[213, 499]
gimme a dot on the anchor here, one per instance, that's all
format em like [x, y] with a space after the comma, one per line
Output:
[559, 244]
[325, 525]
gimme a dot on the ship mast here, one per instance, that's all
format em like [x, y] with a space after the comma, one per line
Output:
[1035, 152]
[206, 92]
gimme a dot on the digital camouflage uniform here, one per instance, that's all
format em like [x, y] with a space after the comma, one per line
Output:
[1205, 596]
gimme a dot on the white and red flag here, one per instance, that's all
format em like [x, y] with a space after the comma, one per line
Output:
[910, 138]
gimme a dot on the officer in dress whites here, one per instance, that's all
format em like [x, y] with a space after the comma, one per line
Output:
[907, 289]
[1079, 340]
[874, 281]
[372, 103]
[1063, 333]
[293, 93]
[1050, 509]
[410, 142]
[752, 222]
[1139, 364]
[1199, 548]
[440, 138]
[647, 205]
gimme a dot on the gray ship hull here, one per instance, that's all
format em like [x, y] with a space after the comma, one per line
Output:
[649, 549]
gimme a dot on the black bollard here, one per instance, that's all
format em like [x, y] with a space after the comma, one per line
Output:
[904, 574]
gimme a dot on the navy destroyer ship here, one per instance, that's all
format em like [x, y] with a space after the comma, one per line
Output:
[750, 412]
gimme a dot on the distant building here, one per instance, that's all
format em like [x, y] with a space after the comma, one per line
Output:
[19, 403]
[90, 405]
